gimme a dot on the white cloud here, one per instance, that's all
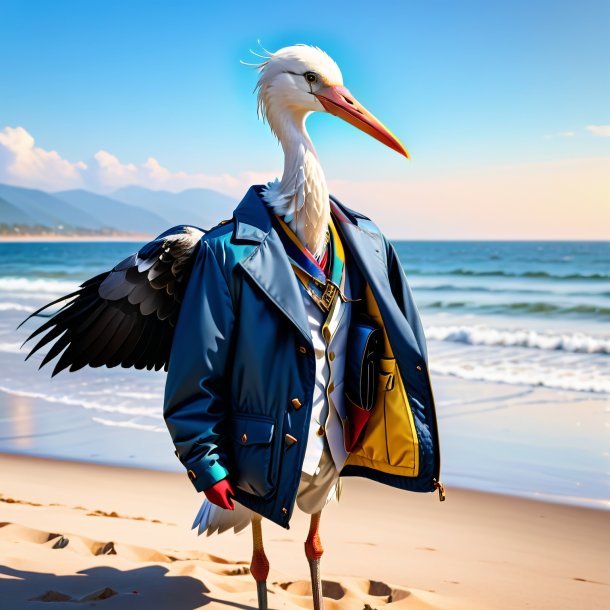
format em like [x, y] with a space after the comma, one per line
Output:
[599, 130]
[21, 162]
[561, 200]
[24, 164]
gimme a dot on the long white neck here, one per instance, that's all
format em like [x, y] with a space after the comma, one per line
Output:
[301, 196]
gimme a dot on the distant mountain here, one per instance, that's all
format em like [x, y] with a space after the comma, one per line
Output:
[111, 213]
[43, 209]
[11, 215]
[200, 207]
[129, 210]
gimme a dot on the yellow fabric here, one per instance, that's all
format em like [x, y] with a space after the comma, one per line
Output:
[389, 442]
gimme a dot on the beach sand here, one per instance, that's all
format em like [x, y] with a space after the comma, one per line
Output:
[118, 537]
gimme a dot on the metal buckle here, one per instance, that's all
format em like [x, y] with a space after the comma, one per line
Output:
[328, 296]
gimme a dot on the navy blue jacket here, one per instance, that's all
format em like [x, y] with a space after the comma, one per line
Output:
[242, 352]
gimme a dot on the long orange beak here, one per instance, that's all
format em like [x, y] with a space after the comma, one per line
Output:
[339, 101]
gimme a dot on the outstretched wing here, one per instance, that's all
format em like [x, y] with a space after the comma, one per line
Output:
[124, 316]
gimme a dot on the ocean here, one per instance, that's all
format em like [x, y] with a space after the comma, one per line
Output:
[519, 346]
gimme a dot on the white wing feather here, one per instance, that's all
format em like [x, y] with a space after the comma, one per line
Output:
[213, 519]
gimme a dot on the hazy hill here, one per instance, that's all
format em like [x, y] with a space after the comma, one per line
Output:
[200, 207]
[44, 209]
[11, 215]
[129, 210]
[112, 213]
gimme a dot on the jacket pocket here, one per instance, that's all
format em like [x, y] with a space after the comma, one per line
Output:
[400, 434]
[253, 451]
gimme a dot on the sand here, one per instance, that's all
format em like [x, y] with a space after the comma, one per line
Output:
[112, 537]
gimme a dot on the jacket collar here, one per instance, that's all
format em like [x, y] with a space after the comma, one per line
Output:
[252, 220]
[253, 223]
[270, 268]
[268, 265]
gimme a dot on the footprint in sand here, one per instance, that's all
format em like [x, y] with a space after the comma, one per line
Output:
[57, 596]
[206, 574]
[367, 594]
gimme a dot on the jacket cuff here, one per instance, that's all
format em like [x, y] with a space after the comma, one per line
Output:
[204, 476]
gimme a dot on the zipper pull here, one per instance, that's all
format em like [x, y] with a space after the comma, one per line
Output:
[441, 490]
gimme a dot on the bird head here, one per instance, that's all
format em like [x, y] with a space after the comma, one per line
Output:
[298, 80]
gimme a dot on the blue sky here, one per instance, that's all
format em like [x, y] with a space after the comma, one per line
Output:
[466, 85]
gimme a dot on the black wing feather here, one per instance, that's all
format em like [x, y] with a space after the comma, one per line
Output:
[125, 316]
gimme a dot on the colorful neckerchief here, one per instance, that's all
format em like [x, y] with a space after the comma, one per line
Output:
[321, 288]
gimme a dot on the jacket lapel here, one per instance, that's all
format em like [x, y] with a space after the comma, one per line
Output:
[367, 250]
[268, 264]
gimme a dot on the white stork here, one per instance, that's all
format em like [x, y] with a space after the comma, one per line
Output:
[126, 316]
[294, 82]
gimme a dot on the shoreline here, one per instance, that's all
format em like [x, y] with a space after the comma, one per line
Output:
[469, 552]
[597, 504]
[75, 238]
[489, 432]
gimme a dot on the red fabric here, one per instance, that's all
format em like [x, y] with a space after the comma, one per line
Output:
[325, 262]
[357, 420]
[221, 494]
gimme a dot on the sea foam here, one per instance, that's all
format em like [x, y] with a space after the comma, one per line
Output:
[22, 284]
[15, 307]
[484, 335]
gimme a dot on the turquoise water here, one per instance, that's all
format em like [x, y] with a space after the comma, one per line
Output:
[508, 324]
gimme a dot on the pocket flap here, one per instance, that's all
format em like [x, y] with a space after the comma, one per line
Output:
[253, 430]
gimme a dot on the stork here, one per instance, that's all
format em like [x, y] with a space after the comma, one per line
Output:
[293, 83]
[129, 316]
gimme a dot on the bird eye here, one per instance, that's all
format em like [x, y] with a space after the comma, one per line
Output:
[311, 77]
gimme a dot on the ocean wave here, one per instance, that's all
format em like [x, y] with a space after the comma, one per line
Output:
[420, 288]
[78, 401]
[22, 284]
[538, 307]
[524, 274]
[533, 374]
[457, 288]
[10, 347]
[15, 307]
[130, 423]
[579, 343]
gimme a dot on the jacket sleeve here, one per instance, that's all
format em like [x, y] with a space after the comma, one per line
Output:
[196, 406]
[404, 297]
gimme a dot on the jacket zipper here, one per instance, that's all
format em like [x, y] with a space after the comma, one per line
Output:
[437, 447]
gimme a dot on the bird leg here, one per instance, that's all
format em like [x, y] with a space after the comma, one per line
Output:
[259, 566]
[313, 552]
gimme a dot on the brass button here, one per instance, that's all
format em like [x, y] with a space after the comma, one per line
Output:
[192, 475]
[326, 333]
[331, 386]
[303, 349]
[290, 440]
[320, 431]
[284, 510]
[331, 356]
[418, 367]
[296, 403]
[244, 438]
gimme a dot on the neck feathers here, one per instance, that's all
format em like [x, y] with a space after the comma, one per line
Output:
[301, 196]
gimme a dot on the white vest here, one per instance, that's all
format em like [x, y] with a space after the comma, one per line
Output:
[329, 337]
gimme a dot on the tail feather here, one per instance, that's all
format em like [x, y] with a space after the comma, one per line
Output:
[213, 519]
